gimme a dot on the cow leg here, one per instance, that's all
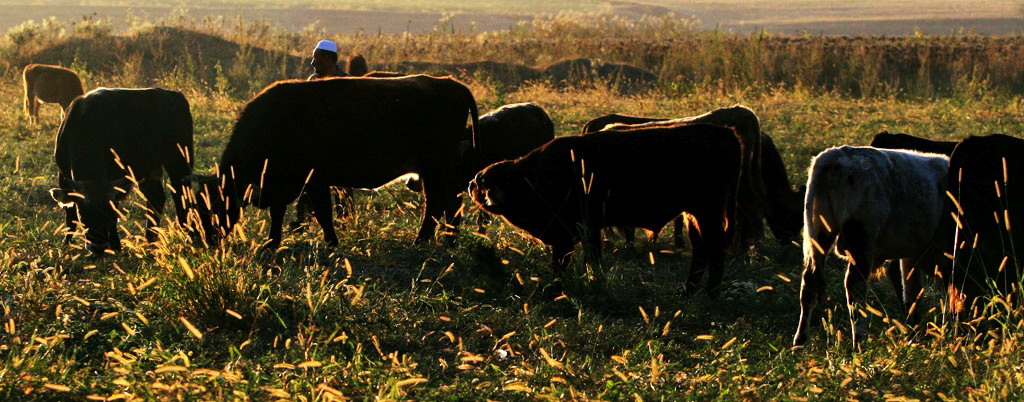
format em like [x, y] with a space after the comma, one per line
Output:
[71, 221]
[152, 189]
[276, 222]
[698, 257]
[319, 198]
[860, 247]
[812, 284]
[592, 243]
[893, 271]
[677, 231]
[439, 199]
[302, 210]
[911, 289]
[714, 248]
[453, 214]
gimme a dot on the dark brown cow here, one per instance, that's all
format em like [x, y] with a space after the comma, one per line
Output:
[49, 84]
[985, 178]
[109, 136]
[297, 136]
[567, 190]
[904, 141]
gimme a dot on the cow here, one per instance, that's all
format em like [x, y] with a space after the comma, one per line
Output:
[356, 65]
[784, 204]
[567, 190]
[305, 136]
[873, 205]
[111, 140]
[904, 141]
[49, 84]
[984, 172]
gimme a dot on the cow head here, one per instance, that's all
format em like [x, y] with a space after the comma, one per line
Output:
[504, 189]
[94, 201]
[214, 206]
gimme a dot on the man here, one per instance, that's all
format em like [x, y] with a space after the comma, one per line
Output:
[325, 65]
[325, 60]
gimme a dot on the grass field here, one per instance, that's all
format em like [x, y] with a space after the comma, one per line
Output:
[743, 16]
[378, 317]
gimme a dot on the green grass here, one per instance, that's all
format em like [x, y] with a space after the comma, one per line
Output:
[378, 317]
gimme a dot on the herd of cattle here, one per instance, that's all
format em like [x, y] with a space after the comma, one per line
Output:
[940, 208]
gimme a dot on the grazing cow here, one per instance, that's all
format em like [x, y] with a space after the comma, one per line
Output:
[880, 205]
[111, 140]
[567, 190]
[784, 205]
[984, 179]
[904, 141]
[297, 136]
[49, 84]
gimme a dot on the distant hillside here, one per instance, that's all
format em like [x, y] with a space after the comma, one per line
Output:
[146, 57]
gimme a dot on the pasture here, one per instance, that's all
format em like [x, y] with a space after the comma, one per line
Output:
[379, 317]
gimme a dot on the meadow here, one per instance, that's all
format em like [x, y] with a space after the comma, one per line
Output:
[379, 317]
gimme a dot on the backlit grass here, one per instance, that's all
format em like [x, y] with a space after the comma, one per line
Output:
[378, 317]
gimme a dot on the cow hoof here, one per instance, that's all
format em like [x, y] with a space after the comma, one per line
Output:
[799, 339]
[270, 247]
[97, 249]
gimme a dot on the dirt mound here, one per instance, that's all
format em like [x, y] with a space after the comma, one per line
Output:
[623, 77]
[636, 10]
[509, 74]
[153, 55]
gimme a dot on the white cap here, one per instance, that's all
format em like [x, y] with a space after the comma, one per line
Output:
[326, 45]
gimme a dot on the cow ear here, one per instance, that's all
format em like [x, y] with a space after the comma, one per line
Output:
[64, 198]
[120, 188]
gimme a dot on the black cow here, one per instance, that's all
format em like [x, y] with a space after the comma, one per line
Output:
[112, 139]
[904, 141]
[567, 190]
[985, 179]
[297, 136]
[784, 212]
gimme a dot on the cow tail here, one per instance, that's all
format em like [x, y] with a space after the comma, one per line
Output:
[474, 115]
[814, 176]
[731, 200]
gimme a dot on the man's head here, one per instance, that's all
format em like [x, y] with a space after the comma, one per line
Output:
[325, 59]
